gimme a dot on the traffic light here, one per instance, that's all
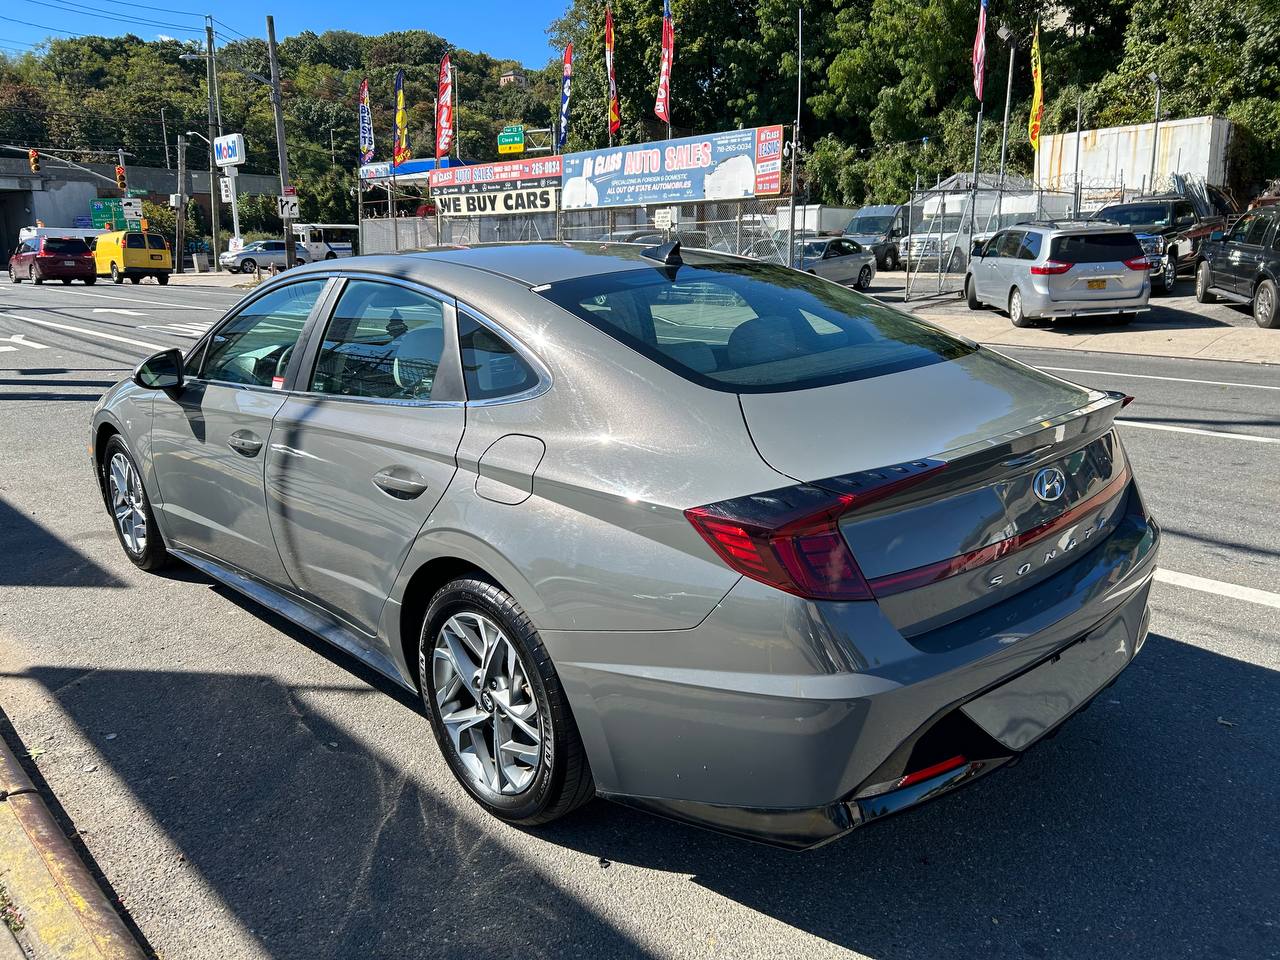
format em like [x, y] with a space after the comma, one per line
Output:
[33, 158]
[120, 180]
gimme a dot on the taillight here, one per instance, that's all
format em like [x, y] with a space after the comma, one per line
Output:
[1138, 263]
[791, 539]
[1051, 268]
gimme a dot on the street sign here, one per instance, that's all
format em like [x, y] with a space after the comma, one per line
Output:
[106, 213]
[228, 151]
[83, 223]
[136, 192]
[131, 207]
[224, 185]
[290, 191]
[175, 200]
[134, 225]
[664, 218]
[287, 207]
[511, 139]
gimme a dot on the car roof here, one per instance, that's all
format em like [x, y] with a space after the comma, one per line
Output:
[877, 209]
[551, 261]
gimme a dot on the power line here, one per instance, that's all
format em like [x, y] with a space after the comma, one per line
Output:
[243, 36]
[41, 26]
[70, 7]
[146, 6]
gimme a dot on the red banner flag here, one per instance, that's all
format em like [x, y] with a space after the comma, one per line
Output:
[980, 51]
[444, 110]
[615, 115]
[662, 106]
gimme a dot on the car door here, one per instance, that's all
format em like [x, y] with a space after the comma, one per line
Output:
[985, 278]
[363, 449]
[1250, 254]
[20, 262]
[209, 438]
[1241, 249]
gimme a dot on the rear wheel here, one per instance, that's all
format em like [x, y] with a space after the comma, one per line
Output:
[116, 275]
[162, 279]
[1019, 318]
[135, 280]
[34, 276]
[864, 278]
[90, 281]
[66, 281]
[1204, 280]
[497, 708]
[131, 508]
[1170, 275]
[971, 295]
[1264, 305]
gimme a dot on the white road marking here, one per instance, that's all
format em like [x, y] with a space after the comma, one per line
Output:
[154, 303]
[21, 340]
[192, 330]
[1149, 376]
[122, 312]
[98, 334]
[1203, 433]
[1233, 590]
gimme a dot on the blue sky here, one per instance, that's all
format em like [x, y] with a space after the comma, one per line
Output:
[502, 28]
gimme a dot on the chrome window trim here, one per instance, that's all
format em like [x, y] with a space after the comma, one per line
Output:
[535, 363]
[448, 305]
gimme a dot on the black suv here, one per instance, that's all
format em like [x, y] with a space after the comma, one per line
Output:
[1170, 230]
[1243, 266]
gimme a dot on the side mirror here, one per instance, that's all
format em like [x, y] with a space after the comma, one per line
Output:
[162, 371]
[1217, 235]
[979, 249]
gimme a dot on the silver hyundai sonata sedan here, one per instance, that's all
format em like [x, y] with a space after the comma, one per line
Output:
[707, 536]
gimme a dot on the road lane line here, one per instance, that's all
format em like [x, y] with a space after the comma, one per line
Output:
[88, 333]
[1205, 585]
[154, 303]
[121, 311]
[1148, 376]
[1203, 433]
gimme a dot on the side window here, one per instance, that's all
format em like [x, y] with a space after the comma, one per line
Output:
[1184, 214]
[383, 341]
[1011, 243]
[1030, 247]
[491, 367]
[255, 345]
[1242, 227]
[1275, 234]
[992, 248]
[1257, 230]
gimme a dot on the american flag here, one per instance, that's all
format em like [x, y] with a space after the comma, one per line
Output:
[980, 50]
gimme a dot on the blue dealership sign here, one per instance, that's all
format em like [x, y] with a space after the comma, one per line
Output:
[719, 166]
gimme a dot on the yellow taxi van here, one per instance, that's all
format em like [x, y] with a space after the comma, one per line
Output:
[133, 254]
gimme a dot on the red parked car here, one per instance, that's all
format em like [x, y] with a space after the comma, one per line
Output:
[52, 258]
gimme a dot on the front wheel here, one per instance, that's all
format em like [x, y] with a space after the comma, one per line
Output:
[248, 265]
[131, 508]
[13, 277]
[864, 278]
[1264, 305]
[497, 708]
[1204, 280]
[891, 259]
[1019, 318]
[971, 295]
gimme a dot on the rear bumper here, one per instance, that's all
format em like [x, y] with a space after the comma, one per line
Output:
[798, 757]
[57, 270]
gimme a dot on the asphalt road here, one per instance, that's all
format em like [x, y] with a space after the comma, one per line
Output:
[248, 792]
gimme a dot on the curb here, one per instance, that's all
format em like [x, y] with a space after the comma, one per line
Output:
[66, 913]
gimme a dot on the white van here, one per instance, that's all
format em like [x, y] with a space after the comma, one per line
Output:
[327, 241]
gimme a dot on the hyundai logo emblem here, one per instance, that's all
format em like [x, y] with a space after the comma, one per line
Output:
[1049, 484]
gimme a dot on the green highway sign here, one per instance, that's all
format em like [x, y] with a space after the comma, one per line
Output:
[137, 192]
[107, 213]
[511, 139]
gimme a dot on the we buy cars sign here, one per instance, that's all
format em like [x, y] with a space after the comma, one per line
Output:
[509, 186]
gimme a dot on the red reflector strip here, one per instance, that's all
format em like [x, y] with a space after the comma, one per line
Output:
[957, 761]
[892, 583]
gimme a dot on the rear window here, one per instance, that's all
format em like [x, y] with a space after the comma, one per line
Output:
[66, 246]
[1095, 248]
[1156, 214]
[135, 241]
[753, 327]
[155, 241]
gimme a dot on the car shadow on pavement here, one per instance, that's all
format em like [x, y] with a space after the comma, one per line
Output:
[46, 559]
[1146, 828]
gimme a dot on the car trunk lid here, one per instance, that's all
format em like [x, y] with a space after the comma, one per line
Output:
[1095, 266]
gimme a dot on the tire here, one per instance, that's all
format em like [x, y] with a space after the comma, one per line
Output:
[13, 277]
[162, 279]
[247, 265]
[891, 259]
[1204, 280]
[331, 255]
[34, 277]
[90, 281]
[148, 551]
[559, 779]
[135, 280]
[970, 295]
[1265, 313]
[66, 281]
[1169, 276]
[1019, 318]
[864, 278]
[116, 275]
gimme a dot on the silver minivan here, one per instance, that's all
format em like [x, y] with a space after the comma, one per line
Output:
[1048, 269]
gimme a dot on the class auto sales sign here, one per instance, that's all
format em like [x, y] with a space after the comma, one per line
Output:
[508, 187]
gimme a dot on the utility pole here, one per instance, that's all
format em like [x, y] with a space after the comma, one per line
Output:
[164, 132]
[181, 218]
[278, 108]
[795, 135]
[1155, 133]
[215, 214]
[1077, 163]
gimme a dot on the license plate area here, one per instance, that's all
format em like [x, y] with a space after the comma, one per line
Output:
[68, 263]
[1021, 711]
[157, 256]
[1097, 284]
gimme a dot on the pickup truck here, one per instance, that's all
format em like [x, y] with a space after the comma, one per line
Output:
[1170, 230]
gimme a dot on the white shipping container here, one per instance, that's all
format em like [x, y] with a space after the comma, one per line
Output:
[1121, 156]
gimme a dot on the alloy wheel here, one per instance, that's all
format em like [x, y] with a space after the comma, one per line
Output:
[486, 703]
[1265, 304]
[127, 504]
[1170, 273]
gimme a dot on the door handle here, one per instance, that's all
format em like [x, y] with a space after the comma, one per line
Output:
[400, 482]
[245, 442]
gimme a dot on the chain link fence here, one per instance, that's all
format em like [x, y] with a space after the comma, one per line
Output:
[385, 235]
